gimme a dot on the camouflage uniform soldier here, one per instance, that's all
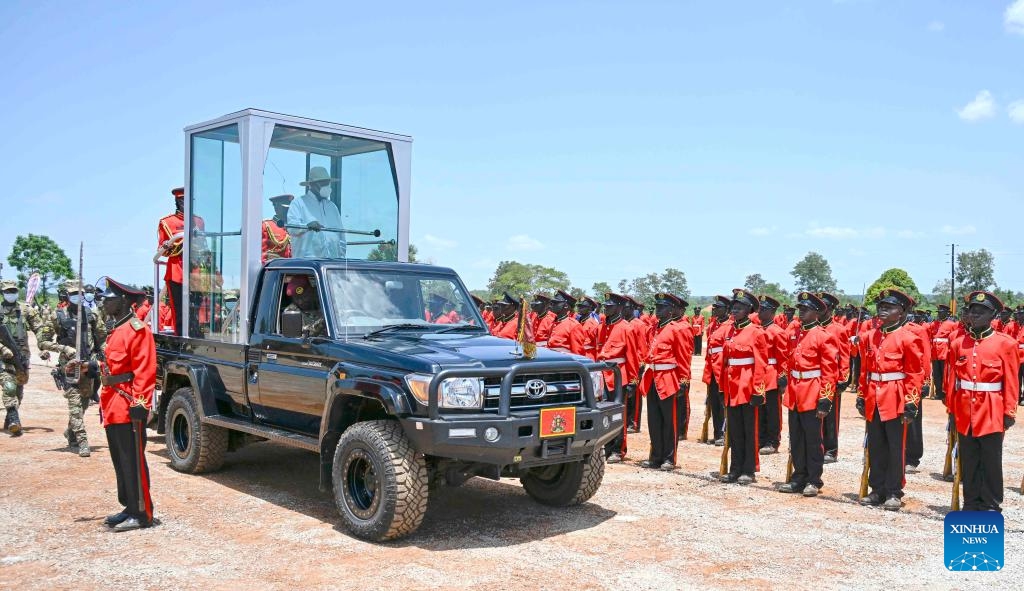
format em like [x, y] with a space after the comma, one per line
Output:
[60, 338]
[19, 319]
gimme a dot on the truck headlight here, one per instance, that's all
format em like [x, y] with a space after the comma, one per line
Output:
[453, 393]
[461, 393]
[597, 379]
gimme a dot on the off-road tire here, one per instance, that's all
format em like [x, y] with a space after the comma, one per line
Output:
[380, 483]
[192, 446]
[563, 485]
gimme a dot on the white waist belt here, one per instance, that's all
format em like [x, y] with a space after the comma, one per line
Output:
[1020, 346]
[940, 340]
[805, 375]
[663, 366]
[980, 386]
[886, 377]
[714, 350]
[589, 347]
[772, 361]
[616, 360]
[743, 361]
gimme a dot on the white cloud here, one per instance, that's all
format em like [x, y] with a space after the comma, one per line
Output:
[958, 230]
[909, 234]
[936, 26]
[1016, 111]
[762, 231]
[835, 232]
[876, 232]
[1014, 17]
[439, 243]
[523, 242]
[982, 107]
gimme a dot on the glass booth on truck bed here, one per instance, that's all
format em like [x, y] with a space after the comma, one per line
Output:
[347, 194]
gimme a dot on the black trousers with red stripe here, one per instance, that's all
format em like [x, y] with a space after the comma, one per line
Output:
[805, 448]
[743, 439]
[982, 461]
[831, 424]
[682, 411]
[663, 424]
[886, 445]
[770, 420]
[128, 454]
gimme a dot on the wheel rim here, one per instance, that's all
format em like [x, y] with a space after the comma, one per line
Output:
[361, 484]
[549, 474]
[181, 434]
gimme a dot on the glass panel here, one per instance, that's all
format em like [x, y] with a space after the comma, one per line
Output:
[344, 186]
[364, 300]
[215, 261]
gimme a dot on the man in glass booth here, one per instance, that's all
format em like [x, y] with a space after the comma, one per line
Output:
[314, 221]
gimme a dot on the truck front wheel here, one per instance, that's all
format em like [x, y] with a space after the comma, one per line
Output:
[562, 485]
[192, 446]
[380, 485]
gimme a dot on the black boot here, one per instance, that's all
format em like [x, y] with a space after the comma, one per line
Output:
[13, 422]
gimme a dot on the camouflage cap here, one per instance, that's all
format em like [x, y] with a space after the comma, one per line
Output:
[71, 286]
[8, 285]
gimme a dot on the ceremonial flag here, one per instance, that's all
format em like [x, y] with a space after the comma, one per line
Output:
[525, 337]
[32, 287]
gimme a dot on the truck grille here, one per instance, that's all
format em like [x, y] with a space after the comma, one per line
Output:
[559, 388]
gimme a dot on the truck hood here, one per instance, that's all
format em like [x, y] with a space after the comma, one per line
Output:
[434, 352]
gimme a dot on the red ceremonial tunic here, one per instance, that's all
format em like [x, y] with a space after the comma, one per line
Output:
[668, 359]
[697, 324]
[838, 332]
[567, 335]
[813, 369]
[940, 338]
[508, 329]
[277, 244]
[616, 347]
[885, 355]
[169, 226]
[744, 360]
[713, 352]
[982, 384]
[591, 330]
[926, 344]
[130, 348]
[778, 354]
[143, 309]
[542, 328]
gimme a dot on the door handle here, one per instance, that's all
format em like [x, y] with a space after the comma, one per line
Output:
[254, 374]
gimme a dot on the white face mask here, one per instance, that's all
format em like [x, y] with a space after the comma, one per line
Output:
[75, 299]
[89, 297]
[10, 298]
[325, 192]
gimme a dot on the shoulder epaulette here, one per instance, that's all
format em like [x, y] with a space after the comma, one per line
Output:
[137, 324]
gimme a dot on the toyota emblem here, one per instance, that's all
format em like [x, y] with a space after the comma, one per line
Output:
[536, 389]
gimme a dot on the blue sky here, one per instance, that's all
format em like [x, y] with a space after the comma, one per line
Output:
[608, 140]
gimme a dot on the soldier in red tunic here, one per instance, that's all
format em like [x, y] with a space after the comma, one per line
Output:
[890, 392]
[567, 333]
[170, 239]
[982, 395]
[542, 319]
[277, 243]
[617, 347]
[744, 384]
[506, 318]
[591, 327]
[712, 377]
[128, 377]
[664, 380]
[838, 332]
[813, 371]
[697, 322]
[770, 420]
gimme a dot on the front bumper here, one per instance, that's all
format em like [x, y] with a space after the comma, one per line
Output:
[519, 443]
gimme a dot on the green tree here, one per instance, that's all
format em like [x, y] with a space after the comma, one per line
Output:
[598, 290]
[813, 273]
[897, 278]
[975, 269]
[940, 293]
[757, 284]
[39, 254]
[521, 279]
[388, 251]
[643, 288]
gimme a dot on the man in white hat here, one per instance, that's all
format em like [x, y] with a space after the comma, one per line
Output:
[314, 220]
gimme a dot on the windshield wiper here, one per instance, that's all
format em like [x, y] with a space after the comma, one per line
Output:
[394, 327]
[460, 327]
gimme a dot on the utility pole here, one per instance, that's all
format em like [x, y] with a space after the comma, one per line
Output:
[952, 278]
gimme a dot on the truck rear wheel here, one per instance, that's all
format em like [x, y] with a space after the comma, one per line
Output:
[192, 446]
[562, 485]
[380, 485]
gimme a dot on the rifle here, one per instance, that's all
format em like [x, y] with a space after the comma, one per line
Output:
[60, 379]
[707, 419]
[18, 359]
[947, 466]
[954, 505]
[867, 466]
[76, 376]
[789, 467]
[723, 466]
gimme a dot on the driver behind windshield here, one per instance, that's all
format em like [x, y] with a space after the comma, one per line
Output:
[304, 298]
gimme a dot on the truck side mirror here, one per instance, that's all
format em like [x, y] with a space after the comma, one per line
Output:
[291, 323]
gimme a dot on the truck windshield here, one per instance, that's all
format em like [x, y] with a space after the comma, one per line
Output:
[365, 300]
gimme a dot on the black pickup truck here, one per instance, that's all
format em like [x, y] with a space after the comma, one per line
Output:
[388, 372]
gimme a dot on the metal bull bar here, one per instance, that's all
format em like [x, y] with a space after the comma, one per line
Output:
[508, 375]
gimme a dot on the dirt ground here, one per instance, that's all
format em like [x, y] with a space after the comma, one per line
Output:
[261, 523]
